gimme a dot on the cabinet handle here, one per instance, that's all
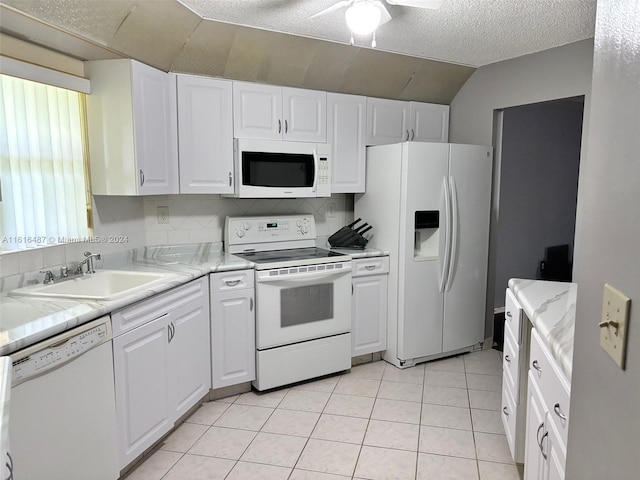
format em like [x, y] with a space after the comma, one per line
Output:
[407, 131]
[352, 289]
[9, 466]
[141, 177]
[558, 412]
[509, 314]
[507, 359]
[544, 455]
[279, 126]
[251, 304]
[168, 333]
[370, 267]
[230, 178]
[505, 411]
[538, 434]
[286, 126]
[172, 331]
[232, 283]
[536, 366]
[413, 135]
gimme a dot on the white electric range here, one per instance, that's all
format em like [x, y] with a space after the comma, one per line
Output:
[303, 298]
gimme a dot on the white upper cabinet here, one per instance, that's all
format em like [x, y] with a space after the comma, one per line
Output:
[393, 121]
[387, 121]
[305, 115]
[279, 113]
[132, 125]
[429, 122]
[205, 131]
[346, 129]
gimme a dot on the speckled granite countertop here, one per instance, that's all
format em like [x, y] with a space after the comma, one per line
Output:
[28, 320]
[551, 308]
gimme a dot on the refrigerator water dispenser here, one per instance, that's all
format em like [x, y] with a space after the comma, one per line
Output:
[426, 236]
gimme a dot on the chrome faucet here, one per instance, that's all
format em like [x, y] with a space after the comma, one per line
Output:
[88, 259]
[48, 277]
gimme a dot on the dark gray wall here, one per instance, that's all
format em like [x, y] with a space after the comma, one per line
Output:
[604, 424]
[538, 186]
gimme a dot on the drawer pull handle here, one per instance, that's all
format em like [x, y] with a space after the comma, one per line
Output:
[558, 412]
[505, 411]
[536, 366]
[232, 283]
[541, 426]
[370, 267]
[509, 314]
[507, 359]
[251, 304]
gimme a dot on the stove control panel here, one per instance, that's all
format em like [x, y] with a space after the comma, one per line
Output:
[259, 230]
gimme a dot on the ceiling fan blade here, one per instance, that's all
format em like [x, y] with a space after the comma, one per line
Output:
[432, 4]
[336, 6]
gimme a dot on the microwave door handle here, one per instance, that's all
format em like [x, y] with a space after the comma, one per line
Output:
[316, 160]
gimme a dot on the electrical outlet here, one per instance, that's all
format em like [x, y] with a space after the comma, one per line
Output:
[614, 324]
[163, 214]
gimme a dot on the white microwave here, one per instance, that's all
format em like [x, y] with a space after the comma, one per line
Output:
[279, 169]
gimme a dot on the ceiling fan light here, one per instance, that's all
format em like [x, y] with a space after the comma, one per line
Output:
[363, 17]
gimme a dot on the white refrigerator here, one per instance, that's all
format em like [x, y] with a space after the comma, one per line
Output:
[430, 204]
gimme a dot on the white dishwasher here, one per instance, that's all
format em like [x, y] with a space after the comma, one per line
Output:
[63, 414]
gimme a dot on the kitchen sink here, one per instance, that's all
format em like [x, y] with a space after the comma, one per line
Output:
[101, 285]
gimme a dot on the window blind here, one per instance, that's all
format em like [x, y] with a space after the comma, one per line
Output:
[42, 168]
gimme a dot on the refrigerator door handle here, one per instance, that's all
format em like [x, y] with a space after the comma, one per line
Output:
[447, 236]
[454, 232]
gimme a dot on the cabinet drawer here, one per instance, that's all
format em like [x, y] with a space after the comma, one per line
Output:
[236, 280]
[553, 385]
[142, 312]
[369, 266]
[511, 365]
[509, 415]
[513, 315]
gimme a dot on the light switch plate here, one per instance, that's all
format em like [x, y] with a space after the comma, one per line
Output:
[614, 324]
[163, 215]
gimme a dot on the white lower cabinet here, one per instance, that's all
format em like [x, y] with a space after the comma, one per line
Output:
[369, 305]
[162, 367]
[233, 348]
[548, 406]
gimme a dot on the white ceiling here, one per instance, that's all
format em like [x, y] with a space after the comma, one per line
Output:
[467, 32]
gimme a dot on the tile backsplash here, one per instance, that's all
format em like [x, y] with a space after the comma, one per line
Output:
[200, 218]
[132, 222]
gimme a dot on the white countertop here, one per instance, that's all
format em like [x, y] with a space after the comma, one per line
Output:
[25, 320]
[551, 308]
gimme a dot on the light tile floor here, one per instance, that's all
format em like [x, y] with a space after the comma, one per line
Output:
[436, 421]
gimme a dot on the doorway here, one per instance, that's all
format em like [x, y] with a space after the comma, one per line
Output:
[539, 155]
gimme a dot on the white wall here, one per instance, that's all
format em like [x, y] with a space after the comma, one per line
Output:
[553, 74]
[604, 426]
[538, 186]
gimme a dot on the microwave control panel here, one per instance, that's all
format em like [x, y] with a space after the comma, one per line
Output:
[260, 230]
[323, 184]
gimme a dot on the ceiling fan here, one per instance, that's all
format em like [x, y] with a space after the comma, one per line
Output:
[364, 16]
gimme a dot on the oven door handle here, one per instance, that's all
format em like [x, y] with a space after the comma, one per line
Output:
[302, 277]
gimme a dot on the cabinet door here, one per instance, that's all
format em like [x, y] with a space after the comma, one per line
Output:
[205, 130]
[233, 349]
[140, 360]
[257, 111]
[304, 115]
[155, 129]
[556, 455]
[189, 353]
[369, 314]
[387, 121]
[534, 462]
[429, 122]
[346, 129]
